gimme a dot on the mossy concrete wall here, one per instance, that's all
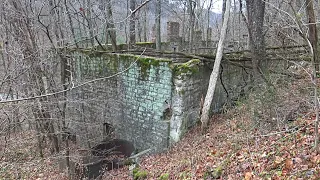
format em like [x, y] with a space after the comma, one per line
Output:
[150, 101]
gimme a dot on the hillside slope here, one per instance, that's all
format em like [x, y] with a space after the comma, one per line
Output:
[237, 148]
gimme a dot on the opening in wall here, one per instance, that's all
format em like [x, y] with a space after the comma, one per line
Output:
[108, 130]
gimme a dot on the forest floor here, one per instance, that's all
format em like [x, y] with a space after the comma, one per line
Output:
[236, 148]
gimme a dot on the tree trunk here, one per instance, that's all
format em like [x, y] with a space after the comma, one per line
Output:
[191, 20]
[89, 21]
[71, 24]
[132, 25]
[256, 11]
[145, 39]
[111, 30]
[224, 4]
[313, 39]
[208, 24]
[215, 72]
[158, 25]
[139, 28]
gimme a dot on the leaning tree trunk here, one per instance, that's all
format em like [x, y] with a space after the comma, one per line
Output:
[215, 72]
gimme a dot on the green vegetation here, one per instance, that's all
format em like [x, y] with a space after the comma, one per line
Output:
[139, 174]
[189, 67]
[145, 63]
[145, 43]
[164, 176]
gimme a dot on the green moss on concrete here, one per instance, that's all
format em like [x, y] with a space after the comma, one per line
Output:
[145, 65]
[190, 67]
[144, 43]
[113, 61]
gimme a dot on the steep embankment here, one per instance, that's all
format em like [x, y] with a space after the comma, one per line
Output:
[235, 147]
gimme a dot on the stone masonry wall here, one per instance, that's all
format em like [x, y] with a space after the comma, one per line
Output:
[150, 101]
[190, 86]
[133, 102]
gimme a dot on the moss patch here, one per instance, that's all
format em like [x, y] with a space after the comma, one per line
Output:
[103, 59]
[146, 63]
[139, 174]
[164, 176]
[187, 68]
[144, 43]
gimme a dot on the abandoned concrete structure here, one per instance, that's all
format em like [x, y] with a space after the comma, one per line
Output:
[149, 101]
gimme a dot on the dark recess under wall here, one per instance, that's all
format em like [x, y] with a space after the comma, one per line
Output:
[105, 156]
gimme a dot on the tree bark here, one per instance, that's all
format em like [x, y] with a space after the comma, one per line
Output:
[132, 25]
[313, 39]
[71, 24]
[89, 22]
[255, 20]
[215, 72]
[208, 24]
[313, 36]
[145, 39]
[111, 30]
[158, 25]
[191, 8]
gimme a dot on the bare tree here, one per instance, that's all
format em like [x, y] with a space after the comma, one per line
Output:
[313, 38]
[215, 72]
[37, 80]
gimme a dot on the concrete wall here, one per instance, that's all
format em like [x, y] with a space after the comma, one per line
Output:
[151, 101]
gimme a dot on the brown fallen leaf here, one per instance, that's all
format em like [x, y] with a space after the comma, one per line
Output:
[248, 176]
[278, 160]
[298, 160]
[288, 164]
[315, 159]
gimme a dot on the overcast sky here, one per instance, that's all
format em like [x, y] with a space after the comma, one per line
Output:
[216, 6]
